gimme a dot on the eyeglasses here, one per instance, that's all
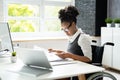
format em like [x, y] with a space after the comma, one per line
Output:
[67, 29]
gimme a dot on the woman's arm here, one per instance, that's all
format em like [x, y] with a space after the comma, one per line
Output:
[77, 57]
[64, 55]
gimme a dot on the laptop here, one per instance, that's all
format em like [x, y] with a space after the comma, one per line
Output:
[32, 57]
[35, 62]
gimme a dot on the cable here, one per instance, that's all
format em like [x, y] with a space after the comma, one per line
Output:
[3, 52]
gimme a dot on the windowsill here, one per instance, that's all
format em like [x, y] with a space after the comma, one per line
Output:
[38, 36]
[41, 36]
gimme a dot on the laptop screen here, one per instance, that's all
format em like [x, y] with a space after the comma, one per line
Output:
[5, 37]
[32, 57]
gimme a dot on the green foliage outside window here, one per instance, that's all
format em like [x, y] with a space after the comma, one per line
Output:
[15, 10]
[21, 26]
[21, 10]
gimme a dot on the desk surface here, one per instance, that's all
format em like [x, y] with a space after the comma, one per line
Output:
[60, 71]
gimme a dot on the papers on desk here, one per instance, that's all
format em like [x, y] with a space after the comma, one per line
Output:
[51, 56]
[58, 63]
[54, 59]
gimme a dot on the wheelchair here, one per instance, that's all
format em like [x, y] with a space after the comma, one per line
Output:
[97, 54]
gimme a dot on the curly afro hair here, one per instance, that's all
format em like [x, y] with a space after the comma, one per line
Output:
[68, 14]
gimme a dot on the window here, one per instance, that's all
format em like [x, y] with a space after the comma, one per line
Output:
[23, 17]
[34, 16]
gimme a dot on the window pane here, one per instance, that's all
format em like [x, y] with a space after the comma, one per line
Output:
[60, 0]
[52, 25]
[52, 11]
[23, 10]
[22, 26]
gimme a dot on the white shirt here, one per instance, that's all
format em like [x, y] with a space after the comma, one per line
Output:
[84, 42]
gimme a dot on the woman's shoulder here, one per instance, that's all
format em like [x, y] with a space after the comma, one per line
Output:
[85, 37]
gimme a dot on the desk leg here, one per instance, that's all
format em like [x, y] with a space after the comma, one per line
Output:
[64, 79]
[82, 77]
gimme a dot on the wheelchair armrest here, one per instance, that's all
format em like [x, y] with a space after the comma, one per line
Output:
[94, 41]
[109, 43]
[97, 64]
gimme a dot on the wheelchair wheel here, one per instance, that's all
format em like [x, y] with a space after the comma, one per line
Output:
[101, 75]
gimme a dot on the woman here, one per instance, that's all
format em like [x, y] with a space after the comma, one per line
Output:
[79, 47]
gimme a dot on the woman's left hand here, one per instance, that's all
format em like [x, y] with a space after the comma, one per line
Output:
[62, 54]
[59, 53]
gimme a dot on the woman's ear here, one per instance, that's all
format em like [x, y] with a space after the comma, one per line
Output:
[73, 24]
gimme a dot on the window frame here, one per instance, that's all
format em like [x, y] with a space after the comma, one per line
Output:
[41, 18]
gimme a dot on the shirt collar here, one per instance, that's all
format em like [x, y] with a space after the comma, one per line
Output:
[72, 38]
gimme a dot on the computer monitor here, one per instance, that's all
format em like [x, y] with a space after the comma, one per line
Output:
[5, 37]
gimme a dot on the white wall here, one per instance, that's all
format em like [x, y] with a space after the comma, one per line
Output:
[1, 11]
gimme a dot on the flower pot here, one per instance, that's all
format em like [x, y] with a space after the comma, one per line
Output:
[13, 59]
[108, 25]
[117, 25]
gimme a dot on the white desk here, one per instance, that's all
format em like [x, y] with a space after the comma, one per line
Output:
[60, 71]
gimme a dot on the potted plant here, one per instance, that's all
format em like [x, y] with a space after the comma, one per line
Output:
[117, 22]
[108, 22]
[13, 57]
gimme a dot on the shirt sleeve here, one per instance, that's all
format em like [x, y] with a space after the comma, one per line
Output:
[84, 42]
